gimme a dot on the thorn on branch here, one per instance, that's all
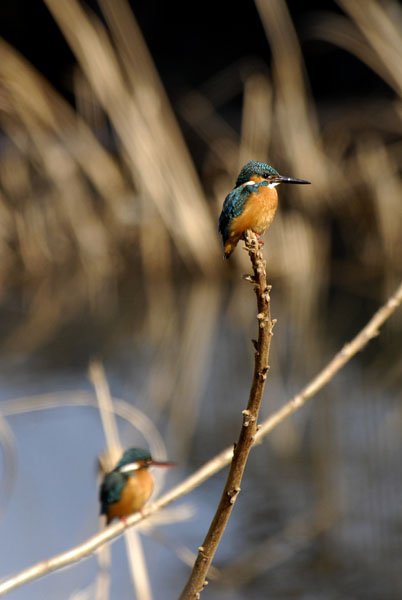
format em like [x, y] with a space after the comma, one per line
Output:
[198, 594]
[249, 278]
[247, 418]
[263, 319]
[263, 373]
[266, 293]
[255, 344]
[233, 494]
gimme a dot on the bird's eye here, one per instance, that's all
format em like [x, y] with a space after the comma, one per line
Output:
[267, 176]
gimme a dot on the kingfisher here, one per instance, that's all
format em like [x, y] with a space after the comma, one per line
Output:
[251, 204]
[127, 488]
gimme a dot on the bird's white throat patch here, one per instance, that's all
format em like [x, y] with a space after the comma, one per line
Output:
[130, 467]
[270, 185]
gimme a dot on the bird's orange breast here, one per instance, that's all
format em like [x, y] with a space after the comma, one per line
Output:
[133, 497]
[258, 212]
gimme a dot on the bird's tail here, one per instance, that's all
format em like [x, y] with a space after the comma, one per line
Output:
[228, 248]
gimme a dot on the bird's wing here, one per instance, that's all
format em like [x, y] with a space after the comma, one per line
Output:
[111, 489]
[232, 208]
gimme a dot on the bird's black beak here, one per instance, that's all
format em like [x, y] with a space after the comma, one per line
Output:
[156, 463]
[282, 179]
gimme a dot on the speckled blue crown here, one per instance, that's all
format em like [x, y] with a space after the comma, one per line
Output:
[254, 167]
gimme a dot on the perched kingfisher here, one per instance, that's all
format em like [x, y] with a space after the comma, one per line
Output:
[251, 204]
[126, 489]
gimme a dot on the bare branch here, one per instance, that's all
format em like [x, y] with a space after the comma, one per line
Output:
[112, 532]
[206, 552]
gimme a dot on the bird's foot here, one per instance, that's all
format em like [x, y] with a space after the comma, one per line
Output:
[124, 521]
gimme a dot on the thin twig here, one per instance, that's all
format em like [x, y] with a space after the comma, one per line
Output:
[206, 552]
[371, 330]
[209, 469]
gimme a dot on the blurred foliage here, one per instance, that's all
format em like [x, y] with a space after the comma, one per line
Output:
[105, 191]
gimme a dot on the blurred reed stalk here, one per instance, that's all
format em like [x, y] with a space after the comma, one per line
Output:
[79, 204]
[134, 549]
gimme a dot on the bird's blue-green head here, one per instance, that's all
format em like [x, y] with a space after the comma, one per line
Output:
[137, 458]
[254, 168]
[133, 456]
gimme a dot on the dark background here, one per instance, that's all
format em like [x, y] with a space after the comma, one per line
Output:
[190, 45]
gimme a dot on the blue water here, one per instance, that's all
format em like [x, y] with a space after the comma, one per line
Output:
[319, 515]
